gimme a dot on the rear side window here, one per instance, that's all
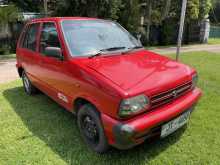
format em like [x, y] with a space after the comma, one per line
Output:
[30, 39]
[49, 37]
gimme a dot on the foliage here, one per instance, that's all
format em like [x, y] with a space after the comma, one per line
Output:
[192, 12]
[96, 8]
[4, 49]
[163, 9]
[169, 31]
[114, 9]
[214, 13]
[28, 5]
[205, 6]
[126, 12]
[161, 14]
[130, 14]
[9, 13]
[160, 10]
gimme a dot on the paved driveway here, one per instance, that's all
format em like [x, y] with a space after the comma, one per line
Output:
[171, 50]
[8, 71]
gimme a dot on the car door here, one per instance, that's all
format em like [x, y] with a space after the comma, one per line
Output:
[55, 73]
[28, 51]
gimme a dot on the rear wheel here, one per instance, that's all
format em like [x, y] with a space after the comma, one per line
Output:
[91, 128]
[28, 87]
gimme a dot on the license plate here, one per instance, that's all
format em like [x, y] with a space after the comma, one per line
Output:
[175, 124]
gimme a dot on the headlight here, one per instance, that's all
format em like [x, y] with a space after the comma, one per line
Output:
[194, 80]
[133, 106]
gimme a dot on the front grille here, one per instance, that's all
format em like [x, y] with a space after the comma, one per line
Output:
[170, 95]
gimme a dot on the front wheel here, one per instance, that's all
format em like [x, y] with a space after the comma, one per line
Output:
[28, 87]
[91, 128]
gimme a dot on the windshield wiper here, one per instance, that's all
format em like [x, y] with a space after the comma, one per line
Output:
[113, 48]
[100, 52]
[136, 47]
[96, 54]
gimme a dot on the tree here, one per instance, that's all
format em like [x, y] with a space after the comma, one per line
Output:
[166, 9]
[149, 20]
[205, 6]
[129, 15]
[214, 12]
[155, 13]
[125, 11]
[192, 12]
[8, 14]
[28, 5]
[161, 14]
[89, 8]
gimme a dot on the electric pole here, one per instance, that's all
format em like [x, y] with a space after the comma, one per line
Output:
[181, 28]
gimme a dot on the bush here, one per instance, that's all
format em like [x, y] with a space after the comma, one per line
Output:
[169, 32]
[4, 49]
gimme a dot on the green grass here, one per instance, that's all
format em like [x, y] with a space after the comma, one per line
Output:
[35, 130]
[6, 57]
[214, 41]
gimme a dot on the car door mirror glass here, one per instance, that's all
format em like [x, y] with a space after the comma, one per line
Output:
[53, 52]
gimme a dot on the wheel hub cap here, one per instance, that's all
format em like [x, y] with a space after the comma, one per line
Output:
[90, 128]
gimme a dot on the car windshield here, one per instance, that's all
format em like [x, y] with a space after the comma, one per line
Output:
[89, 37]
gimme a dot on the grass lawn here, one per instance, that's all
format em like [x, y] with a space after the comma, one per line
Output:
[6, 57]
[214, 41]
[35, 130]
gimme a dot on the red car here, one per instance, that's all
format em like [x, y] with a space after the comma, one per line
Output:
[121, 93]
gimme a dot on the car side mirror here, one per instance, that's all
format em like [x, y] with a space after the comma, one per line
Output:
[138, 37]
[53, 52]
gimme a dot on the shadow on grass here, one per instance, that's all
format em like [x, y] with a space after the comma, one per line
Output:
[57, 128]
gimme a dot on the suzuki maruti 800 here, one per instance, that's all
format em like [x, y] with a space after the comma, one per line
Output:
[121, 93]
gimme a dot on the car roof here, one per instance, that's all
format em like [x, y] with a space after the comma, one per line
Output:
[61, 18]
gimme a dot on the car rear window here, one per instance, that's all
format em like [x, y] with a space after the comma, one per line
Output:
[30, 39]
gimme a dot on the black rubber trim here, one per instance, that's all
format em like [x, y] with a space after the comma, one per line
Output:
[123, 136]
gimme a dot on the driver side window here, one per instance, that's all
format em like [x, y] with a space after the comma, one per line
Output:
[49, 37]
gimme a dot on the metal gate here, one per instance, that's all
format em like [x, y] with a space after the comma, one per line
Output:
[214, 32]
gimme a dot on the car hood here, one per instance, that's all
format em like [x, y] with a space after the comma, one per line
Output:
[141, 70]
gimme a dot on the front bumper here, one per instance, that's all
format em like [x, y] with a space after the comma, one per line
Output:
[126, 134]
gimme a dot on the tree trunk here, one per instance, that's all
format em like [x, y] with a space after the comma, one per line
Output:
[149, 8]
[166, 10]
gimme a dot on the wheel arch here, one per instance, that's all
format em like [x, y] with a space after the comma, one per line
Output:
[80, 101]
[20, 71]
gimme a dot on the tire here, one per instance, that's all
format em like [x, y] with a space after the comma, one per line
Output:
[91, 129]
[28, 87]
